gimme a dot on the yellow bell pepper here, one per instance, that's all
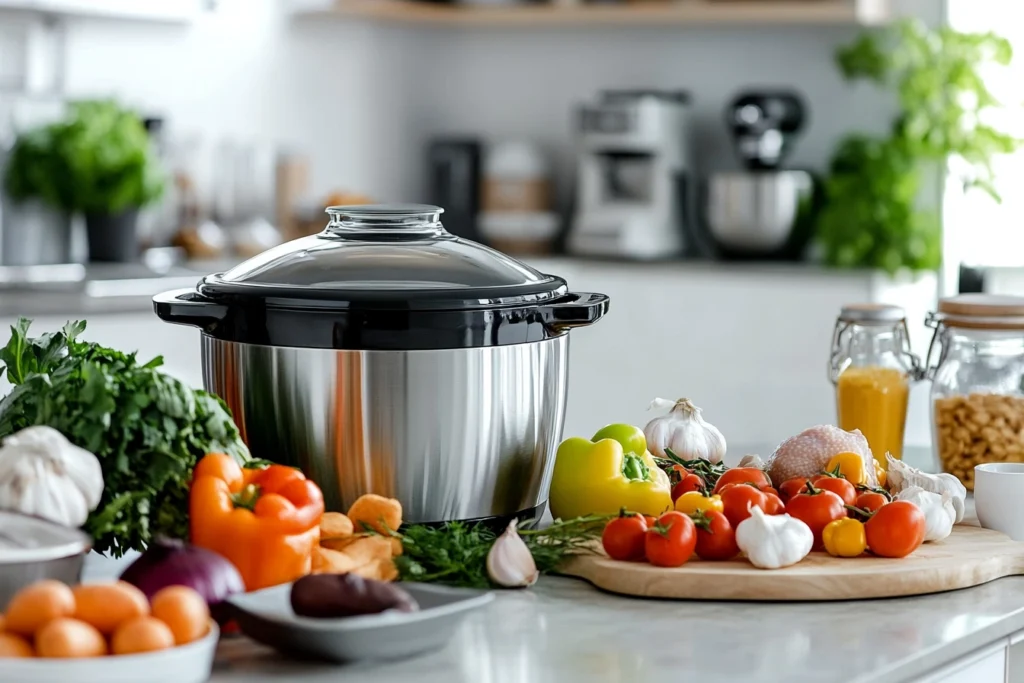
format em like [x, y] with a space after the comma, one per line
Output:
[844, 538]
[880, 473]
[851, 466]
[605, 475]
[692, 501]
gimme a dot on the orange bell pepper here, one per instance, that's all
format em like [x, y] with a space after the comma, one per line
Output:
[265, 521]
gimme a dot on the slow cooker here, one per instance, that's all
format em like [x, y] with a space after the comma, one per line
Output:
[385, 355]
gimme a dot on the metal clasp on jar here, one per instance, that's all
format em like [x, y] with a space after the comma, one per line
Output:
[864, 315]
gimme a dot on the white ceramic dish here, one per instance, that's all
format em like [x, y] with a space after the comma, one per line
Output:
[999, 497]
[267, 616]
[192, 663]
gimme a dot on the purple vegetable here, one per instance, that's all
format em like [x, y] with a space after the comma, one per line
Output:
[167, 562]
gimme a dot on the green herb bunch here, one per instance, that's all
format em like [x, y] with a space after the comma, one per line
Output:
[147, 428]
[455, 553]
[870, 216]
[97, 159]
[37, 170]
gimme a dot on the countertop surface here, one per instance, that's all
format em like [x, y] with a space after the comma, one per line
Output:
[564, 630]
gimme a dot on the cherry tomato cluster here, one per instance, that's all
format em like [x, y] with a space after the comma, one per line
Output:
[705, 518]
[890, 528]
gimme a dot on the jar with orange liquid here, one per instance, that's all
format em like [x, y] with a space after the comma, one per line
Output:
[872, 369]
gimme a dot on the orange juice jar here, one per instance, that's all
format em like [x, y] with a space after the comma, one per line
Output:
[872, 368]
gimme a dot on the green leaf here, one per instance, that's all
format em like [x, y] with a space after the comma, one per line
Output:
[869, 217]
[147, 429]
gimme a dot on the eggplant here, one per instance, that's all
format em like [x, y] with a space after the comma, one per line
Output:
[334, 596]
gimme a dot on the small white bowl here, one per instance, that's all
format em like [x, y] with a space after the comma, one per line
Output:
[999, 497]
[192, 663]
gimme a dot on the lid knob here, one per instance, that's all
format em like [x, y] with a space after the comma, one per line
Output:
[419, 220]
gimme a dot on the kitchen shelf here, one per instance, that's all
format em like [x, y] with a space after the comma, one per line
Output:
[162, 11]
[652, 13]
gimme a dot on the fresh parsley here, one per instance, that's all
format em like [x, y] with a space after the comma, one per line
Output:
[147, 428]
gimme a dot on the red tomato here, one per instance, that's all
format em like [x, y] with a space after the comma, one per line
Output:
[838, 486]
[896, 530]
[816, 510]
[671, 541]
[716, 538]
[651, 521]
[771, 489]
[737, 499]
[689, 482]
[623, 537]
[775, 505]
[743, 475]
[871, 501]
[791, 487]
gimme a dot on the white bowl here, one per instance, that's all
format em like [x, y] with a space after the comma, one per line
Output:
[999, 497]
[190, 663]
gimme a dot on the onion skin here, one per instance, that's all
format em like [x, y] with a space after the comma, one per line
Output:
[168, 562]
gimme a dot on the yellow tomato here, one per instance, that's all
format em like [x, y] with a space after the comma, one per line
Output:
[851, 466]
[844, 538]
[691, 501]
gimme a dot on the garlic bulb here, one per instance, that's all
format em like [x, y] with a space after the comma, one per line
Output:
[685, 432]
[44, 474]
[509, 562]
[902, 476]
[752, 461]
[939, 514]
[773, 541]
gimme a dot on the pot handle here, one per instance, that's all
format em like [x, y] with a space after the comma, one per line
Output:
[188, 307]
[575, 310]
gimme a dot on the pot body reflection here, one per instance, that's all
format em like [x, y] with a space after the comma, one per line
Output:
[454, 434]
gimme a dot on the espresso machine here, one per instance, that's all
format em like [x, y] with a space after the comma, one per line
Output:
[634, 166]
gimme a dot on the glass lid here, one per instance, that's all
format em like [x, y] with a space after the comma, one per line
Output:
[380, 253]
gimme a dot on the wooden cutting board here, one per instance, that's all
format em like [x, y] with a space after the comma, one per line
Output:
[970, 556]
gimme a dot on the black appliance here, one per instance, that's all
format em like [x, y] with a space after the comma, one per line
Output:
[454, 182]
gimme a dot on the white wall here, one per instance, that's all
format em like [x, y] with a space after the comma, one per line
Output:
[361, 99]
[338, 92]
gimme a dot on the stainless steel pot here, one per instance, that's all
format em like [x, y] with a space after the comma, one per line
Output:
[756, 212]
[386, 356]
[453, 434]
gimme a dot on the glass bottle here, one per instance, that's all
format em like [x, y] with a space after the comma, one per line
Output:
[872, 368]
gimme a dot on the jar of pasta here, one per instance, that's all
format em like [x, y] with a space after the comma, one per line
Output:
[872, 368]
[976, 363]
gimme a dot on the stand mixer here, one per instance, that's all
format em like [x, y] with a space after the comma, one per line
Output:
[633, 170]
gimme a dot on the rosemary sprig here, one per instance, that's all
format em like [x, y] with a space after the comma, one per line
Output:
[707, 471]
[455, 553]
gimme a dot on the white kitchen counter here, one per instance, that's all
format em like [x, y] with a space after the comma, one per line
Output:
[563, 630]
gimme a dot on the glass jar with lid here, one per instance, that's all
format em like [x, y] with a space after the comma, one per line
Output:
[976, 363]
[872, 368]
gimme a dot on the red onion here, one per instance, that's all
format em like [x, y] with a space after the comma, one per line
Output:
[168, 562]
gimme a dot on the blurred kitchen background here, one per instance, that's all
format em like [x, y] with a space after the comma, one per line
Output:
[728, 171]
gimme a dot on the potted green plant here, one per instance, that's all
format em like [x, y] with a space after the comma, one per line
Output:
[871, 215]
[37, 201]
[114, 173]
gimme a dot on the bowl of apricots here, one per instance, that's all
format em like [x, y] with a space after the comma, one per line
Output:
[106, 632]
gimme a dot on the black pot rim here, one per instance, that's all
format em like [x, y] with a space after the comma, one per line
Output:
[392, 326]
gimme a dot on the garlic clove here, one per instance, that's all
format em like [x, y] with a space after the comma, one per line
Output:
[509, 562]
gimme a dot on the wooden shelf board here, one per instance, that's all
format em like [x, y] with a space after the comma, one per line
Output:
[681, 12]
